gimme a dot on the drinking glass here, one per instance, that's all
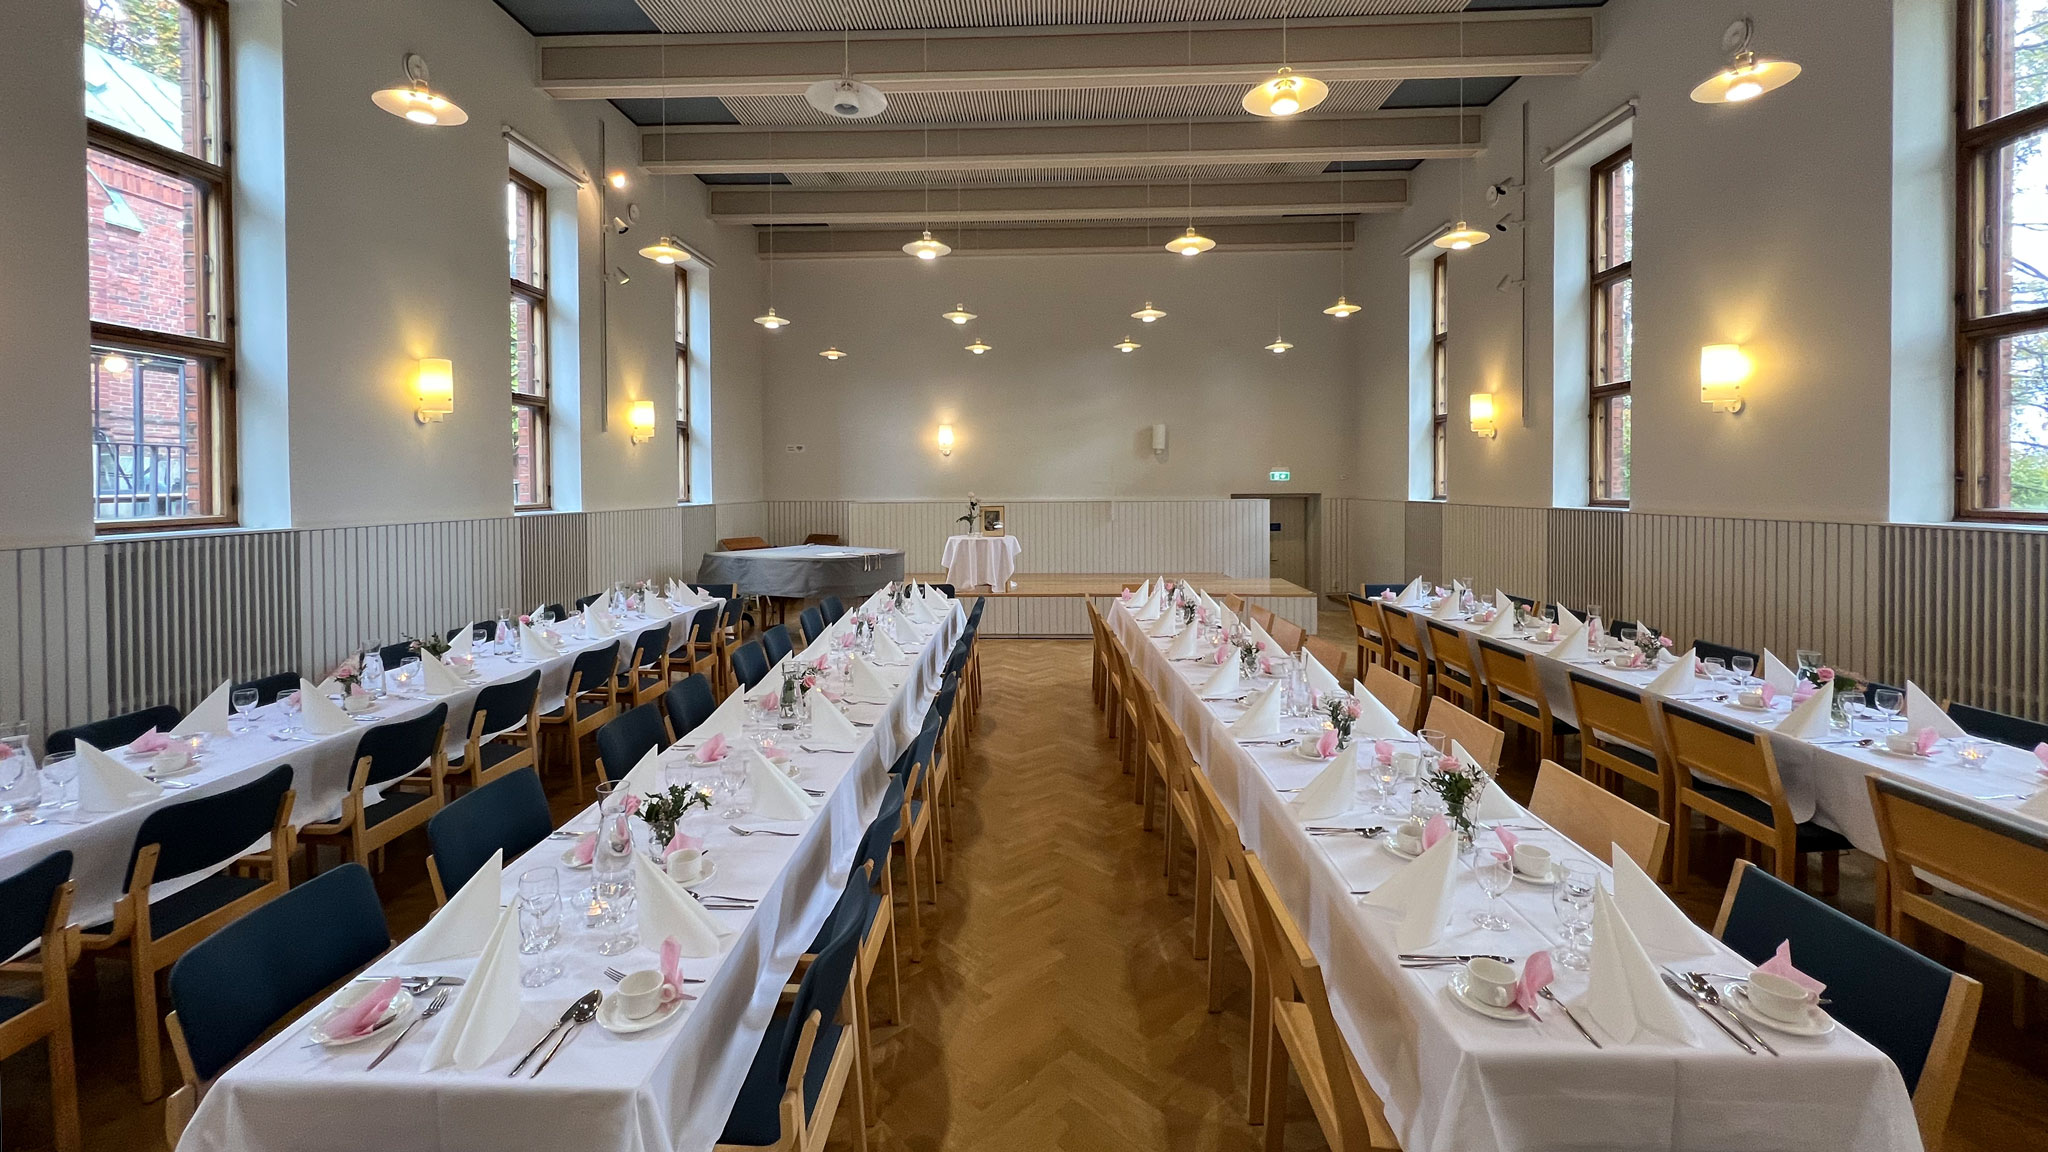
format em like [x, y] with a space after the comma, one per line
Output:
[373, 672]
[1435, 741]
[1745, 667]
[60, 772]
[1888, 701]
[612, 867]
[289, 706]
[540, 923]
[410, 675]
[1387, 778]
[1715, 667]
[21, 785]
[1572, 897]
[1495, 872]
[732, 774]
[244, 700]
[1809, 659]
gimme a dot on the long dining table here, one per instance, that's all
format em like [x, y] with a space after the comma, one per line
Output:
[1455, 1081]
[1823, 778]
[666, 1089]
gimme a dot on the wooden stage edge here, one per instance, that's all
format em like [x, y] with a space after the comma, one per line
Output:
[1076, 584]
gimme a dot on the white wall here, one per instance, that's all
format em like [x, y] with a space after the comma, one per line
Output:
[1055, 411]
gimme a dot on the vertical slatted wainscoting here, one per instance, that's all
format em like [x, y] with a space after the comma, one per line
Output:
[53, 637]
[789, 521]
[1965, 615]
[374, 584]
[1423, 540]
[920, 528]
[554, 558]
[1584, 549]
[1362, 543]
[637, 544]
[1230, 536]
[1496, 547]
[185, 613]
[748, 519]
[1759, 583]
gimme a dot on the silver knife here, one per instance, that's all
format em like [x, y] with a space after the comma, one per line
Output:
[1686, 995]
[568, 1014]
[1702, 990]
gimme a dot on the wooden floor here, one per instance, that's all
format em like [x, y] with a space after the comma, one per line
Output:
[1057, 1007]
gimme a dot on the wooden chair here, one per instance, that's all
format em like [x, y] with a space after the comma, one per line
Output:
[1371, 632]
[1134, 691]
[702, 651]
[1999, 861]
[1286, 633]
[646, 671]
[1402, 697]
[1262, 616]
[1482, 741]
[1728, 774]
[591, 702]
[1618, 739]
[1173, 762]
[508, 816]
[914, 834]
[1450, 666]
[1404, 644]
[1330, 655]
[504, 734]
[1596, 819]
[833, 539]
[1098, 657]
[35, 919]
[1219, 896]
[408, 759]
[740, 543]
[1516, 695]
[1304, 1032]
[1232, 601]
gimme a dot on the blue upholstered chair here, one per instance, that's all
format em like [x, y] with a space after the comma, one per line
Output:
[1708, 650]
[689, 703]
[504, 733]
[405, 756]
[749, 665]
[269, 688]
[812, 621]
[833, 608]
[1989, 725]
[631, 735]
[776, 643]
[35, 909]
[644, 674]
[115, 731]
[510, 814]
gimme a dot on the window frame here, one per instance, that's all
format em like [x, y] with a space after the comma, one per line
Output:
[535, 293]
[214, 348]
[1979, 141]
[684, 487]
[1440, 376]
[1601, 282]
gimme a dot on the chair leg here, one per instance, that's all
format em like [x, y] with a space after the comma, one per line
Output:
[64, 1083]
[1172, 879]
[864, 1050]
[1830, 873]
[1681, 846]
[148, 1028]
[916, 913]
[1268, 1105]
[1205, 905]
[895, 970]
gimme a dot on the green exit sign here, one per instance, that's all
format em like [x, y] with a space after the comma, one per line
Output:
[1280, 474]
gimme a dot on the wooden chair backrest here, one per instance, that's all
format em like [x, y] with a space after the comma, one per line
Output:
[1451, 648]
[2001, 858]
[741, 543]
[1726, 755]
[1481, 740]
[832, 538]
[1613, 715]
[1402, 696]
[1398, 625]
[1235, 603]
[1365, 616]
[1512, 671]
[1262, 616]
[1596, 819]
[1328, 654]
[1218, 831]
[1286, 633]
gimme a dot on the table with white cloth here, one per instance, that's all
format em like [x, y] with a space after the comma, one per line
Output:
[322, 766]
[804, 571]
[978, 561]
[667, 1089]
[1454, 1081]
[1824, 779]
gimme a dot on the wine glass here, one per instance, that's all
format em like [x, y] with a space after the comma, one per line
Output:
[244, 701]
[1435, 741]
[1387, 778]
[60, 772]
[1745, 667]
[1888, 701]
[1572, 897]
[1495, 872]
[290, 705]
[1809, 659]
[1715, 667]
[732, 775]
[540, 923]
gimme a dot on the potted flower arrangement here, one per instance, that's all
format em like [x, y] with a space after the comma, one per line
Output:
[1821, 678]
[1460, 787]
[1247, 651]
[662, 811]
[1650, 645]
[432, 644]
[1343, 710]
[354, 697]
[973, 517]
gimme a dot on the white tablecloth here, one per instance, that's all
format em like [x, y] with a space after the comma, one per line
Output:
[974, 561]
[1454, 1081]
[666, 1089]
[321, 768]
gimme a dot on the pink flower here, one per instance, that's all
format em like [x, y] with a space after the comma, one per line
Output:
[1823, 675]
[631, 805]
[526, 619]
[1383, 751]
[345, 669]
[6, 752]
[1663, 641]
[1353, 709]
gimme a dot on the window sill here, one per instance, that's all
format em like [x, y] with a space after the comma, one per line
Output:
[103, 534]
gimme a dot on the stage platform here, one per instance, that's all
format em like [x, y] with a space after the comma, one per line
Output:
[1050, 603]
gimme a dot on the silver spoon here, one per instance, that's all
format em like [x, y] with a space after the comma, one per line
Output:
[580, 1013]
[739, 831]
[568, 1014]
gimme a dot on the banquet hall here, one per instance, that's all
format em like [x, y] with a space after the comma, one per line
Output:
[1060, 575]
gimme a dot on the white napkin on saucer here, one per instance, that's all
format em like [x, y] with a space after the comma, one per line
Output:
[1226, 680]
[440, 679]
[1421, 893]
[463, 927]
[1494, 803]
[1413, 593]
[668, 910]
[829, 726]
[646, 777]
[1374, 720]
[1779, 677]
[1577, 645]
[1623, 992]
[535, 646]
[865, 685]
[321, 716]
[886, 651]
[1655, 920]
[487, 1008]
[1502, 625]
[1334, 790]
[1319, 677]
[1923, 712]
[1186, 646]
[1680, 679]
[1168, 625]
[459, 644]
[210, 718]
[1566, 621]
[1809, 718]
[776, 796]
[107, 785]
[1262, 720]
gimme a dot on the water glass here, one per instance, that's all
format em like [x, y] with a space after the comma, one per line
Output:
[21, 785]
[60, 772]
[1495, 872]
[1387, 779]
[1809, 659]
[290, 706]
[732, 774]
[1745, 667]
[540, 923]
[1715, 667]
[373, 672]
[612, 866]
[1572, 897]
[244, 701]
[1435, 741]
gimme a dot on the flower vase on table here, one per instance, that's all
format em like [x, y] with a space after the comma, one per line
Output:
[611, 901]
[1459, 787]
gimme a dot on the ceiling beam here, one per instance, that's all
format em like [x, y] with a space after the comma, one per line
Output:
[1556, 43]
[1383, 136]
[1169, 202]
[1269, 236]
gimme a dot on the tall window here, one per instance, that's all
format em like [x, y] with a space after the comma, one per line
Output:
[526, 205]
[2002, 457]
[682, 386]
[1614, 210]
[1439, 374]
[157, 227]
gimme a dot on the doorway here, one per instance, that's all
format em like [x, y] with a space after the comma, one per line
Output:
[1287, 539]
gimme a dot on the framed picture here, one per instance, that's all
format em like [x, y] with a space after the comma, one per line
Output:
[991, 519]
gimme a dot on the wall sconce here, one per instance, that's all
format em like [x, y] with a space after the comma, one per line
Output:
[640, 419]
[436, 389]
[945, 439]
[1159, 439]
[1724, 369]
[1482, 416]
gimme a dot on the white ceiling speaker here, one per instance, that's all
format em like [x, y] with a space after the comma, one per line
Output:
[846, 98]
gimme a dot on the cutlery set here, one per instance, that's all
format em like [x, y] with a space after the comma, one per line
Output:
[1368, 833]
[574, 1017]
[1688, 990]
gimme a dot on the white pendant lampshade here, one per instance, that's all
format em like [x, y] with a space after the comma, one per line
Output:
[959, 314]
[771, 321]
[926, 248]
[1286, 94]
[414, 101]
[1461, 238]
[1192, 244]
[1342, 308]
[833, 353]
[978, 347]
[665, 251]
[1148, 314]
[1127, 345]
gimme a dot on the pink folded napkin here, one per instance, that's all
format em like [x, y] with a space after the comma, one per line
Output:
[1127, 593]
[586, 848]
[682, 842]
[713, 749]
[631, 804]
[1222, 653]
[1265, 664]
[672, 972]
[1924, 740]
[1536, 976]
[363, 1015]
[1769, 693]
[2041, 754]
[770, 702]
[1507, 841]
[1326, 744]
[1434, 831]
[150, 742]
[1387, 595]
[1383, 751]
[1802, 693]
[1780, 964]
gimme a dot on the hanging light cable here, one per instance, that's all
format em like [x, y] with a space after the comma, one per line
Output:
[769, 319]
[665, 250]
[1342, 307]
[1463, 236]
[1192, 243]
[924, 247]
[1279, 346]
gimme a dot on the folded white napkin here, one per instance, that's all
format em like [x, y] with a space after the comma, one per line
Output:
[917, 610]
[730, 717]
[934, 598]
[776, 796]
[1229, 618]
[1809, 718]
[668, 910]
[1148, 613]
[596, 621]
[1679, 679]
[487, 1008]
[1567, 621]
[1226, 680]
[865, 685]
[210, 718]
[1374, 720]
[886, 651]
[1186, 646]
[321, 716]
[459, 644]
[1319, 677]
[1262, 720]
[1494, 803]
[1623, 992]
[1779, 677]
[1142, 596]
[107, 785]
[1414, 592]
[463, 927]
[1168, 625]
[328, 687]
[535, 646]
[1923, 712]
[770, 685]
[1577, 645]
[1334, 790]
[1655, 920]
[1420, 892]
[1266, 643]
[1502, 625]
[1447, 607]
[1504, 603]
[645, 777]
[829, 726]
[680, 593]
[440, 679]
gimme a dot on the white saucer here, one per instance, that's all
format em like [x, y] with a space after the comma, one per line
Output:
[394, 1017]
[1881, 749]
[1390, 845]
[1538, 881]
[1460, 981]
[569, 860]
[1735, 994]
[1752, 707]
[616, 1021]
[1307, 751]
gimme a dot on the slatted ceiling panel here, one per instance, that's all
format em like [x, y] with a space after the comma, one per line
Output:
[880, 15]
[53, 644]
[1585, 553]
[376, 583]
[554, 557]
[1168, 180]
[1496, 547]
[1052, 105]
[185, 613]
[789, 521]
[1423, 539]
[1964, 615]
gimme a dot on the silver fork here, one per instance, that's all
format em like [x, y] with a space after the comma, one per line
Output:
[617, 976]
[439, 1002]
[739, 831]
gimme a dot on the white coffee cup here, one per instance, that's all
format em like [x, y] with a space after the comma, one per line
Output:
[172, 759]
[1489, 981]
[640, 993]
[1902, 742]
[1751, 698]
[685, 865]
[1408, 838]
[1533, 861]
[1779, 998]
